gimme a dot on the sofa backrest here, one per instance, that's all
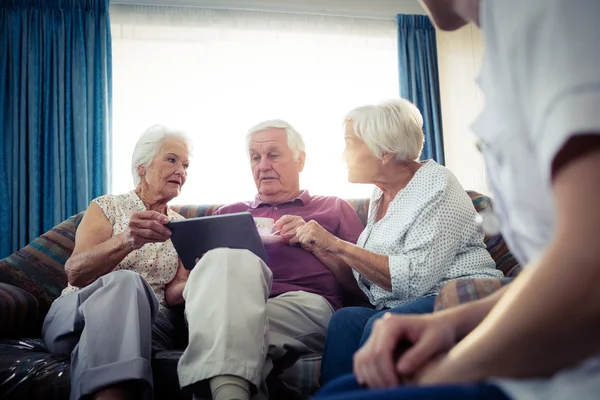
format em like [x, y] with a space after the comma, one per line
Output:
[38, 268]
[361, 206]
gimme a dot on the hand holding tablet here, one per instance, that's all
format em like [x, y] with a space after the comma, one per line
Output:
[196, 236]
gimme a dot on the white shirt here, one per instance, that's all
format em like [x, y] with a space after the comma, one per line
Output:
[430, 236]
[157, 263]
[541, 82]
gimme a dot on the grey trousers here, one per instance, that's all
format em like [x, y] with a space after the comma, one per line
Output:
[106, 327]
[236, 329]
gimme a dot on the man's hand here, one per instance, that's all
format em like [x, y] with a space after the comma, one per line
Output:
[313, 237]
[375, 364]
[287, 226]
[146, 227]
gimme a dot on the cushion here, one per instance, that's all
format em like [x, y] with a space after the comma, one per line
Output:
[38, 268]
[496, 246]
[302, 378]
[194, 211]
[28, 371]
[462, 291]
[361, 206]
[19, 312]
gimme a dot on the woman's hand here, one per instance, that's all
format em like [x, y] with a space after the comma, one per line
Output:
[174, 289]
[146, 227]
[313, 237]
[431, 336]
[287, 226]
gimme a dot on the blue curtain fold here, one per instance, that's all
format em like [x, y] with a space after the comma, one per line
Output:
[419, 79]
[55, 113]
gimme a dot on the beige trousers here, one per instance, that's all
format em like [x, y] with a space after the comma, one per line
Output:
[235, 329]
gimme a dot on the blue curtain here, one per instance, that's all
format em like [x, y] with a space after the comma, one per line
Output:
[419, 81]
[55, 113]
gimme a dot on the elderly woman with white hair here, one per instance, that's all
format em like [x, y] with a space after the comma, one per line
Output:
[421, 230]
[123, 275]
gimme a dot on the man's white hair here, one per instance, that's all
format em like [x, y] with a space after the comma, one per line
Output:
[294, 139]
[390, 127]
[148, 146]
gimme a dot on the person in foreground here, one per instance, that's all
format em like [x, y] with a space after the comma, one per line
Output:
[536, 338]
[421, 230]
[124, 275]
[255, 315]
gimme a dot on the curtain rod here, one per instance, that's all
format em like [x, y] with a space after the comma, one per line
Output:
[258, 9]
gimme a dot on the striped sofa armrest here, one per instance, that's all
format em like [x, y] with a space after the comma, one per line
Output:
[19, 312]
[462, 291]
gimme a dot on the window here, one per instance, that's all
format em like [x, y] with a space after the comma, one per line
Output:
[215, 73]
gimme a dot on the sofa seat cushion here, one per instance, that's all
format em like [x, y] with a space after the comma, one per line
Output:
[38, 268]
[297, 382]
[19, 312]
[302, 378]
[28, 371]
[462, 291]
[164, 371]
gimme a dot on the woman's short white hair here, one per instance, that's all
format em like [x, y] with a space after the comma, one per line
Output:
[294, 139]
[149, 144]
[390, 127]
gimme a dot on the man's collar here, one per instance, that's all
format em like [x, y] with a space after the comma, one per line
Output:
[304, 197]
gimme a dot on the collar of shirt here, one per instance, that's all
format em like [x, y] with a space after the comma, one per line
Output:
[304, 197]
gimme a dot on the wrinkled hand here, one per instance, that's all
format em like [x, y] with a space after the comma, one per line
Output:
[431, 336]
[287, 226]
[313, 237]
[146, 227]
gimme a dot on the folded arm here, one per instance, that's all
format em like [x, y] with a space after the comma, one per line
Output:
[97, 252]
[549, 318]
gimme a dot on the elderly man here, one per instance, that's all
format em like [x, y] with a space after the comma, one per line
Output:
[255, 313]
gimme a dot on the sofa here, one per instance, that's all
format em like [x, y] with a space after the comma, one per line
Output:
[34, 276]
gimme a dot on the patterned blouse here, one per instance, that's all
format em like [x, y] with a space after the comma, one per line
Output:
[430, 236]
[157, 263]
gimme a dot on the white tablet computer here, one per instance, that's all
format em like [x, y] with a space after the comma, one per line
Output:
[195, 236]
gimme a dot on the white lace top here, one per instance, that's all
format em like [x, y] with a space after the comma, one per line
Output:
[156, 262]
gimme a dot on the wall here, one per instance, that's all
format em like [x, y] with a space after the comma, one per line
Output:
[384, 9]
[459, 55]
[459, 60]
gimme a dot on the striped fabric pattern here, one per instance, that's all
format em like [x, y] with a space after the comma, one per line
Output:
[19, 312]
[38, 271]
[496, 246]
[463, 291]
[361, 206]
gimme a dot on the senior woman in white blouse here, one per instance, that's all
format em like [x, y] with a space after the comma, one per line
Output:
[124, 276]
[421, 230]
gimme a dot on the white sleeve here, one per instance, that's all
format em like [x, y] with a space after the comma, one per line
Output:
[560, 77]
[107, 204]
